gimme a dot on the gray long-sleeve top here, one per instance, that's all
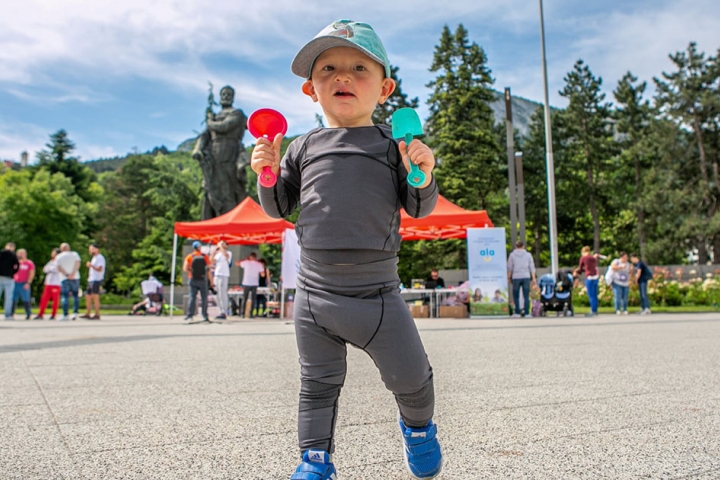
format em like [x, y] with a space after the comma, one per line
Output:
[520, 264]
[350, 184]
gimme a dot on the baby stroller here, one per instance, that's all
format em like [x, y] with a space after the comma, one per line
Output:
[154, 301]
[556, 294]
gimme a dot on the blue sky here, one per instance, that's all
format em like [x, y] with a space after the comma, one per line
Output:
[128, 75]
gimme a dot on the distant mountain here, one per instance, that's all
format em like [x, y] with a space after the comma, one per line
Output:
[112, 164]
[187, 145]
[522, 110]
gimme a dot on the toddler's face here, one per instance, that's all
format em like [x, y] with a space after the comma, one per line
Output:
[348, 84]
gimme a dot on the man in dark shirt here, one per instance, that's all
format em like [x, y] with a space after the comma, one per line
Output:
[434, 280]
[9, 265]
[643, 276]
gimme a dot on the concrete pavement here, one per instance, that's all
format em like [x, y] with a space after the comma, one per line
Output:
[551, 398]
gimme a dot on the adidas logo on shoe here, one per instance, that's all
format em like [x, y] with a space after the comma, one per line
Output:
[317, 456]
[316, 465]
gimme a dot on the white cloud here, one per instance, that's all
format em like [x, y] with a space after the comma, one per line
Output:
[166, 39]
[78, 51]
[640, 41]
[17, 137]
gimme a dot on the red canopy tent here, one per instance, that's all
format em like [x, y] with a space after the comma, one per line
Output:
[246, 224]
[446, 221]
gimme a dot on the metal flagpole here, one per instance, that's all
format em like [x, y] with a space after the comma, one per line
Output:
[552, 227]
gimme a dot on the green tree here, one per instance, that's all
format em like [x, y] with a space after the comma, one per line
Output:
[461, 124]
[461, 132]
[587, 136]
[396, 100]
[143, 200]
[57, 158]
[634, 116]
[690, 97]
[39, 212]
[667, 197]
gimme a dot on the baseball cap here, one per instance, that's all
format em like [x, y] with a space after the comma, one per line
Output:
[342, 33]
[196, 245]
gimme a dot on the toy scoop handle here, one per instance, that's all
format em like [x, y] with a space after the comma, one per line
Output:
[416, 177]
[267, 178]
[266, 123]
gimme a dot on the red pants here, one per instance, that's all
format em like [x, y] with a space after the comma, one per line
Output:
[50, 292]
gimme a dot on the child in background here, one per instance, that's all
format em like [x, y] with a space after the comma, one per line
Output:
[349, 180]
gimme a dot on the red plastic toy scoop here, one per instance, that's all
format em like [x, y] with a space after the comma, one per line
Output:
[267, 123]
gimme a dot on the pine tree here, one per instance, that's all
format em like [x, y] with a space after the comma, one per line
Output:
[585, 126]
[57, 159]
[690, 97]
[460, 127]
[634, 115]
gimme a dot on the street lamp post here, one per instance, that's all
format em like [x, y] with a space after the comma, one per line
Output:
[552, 227]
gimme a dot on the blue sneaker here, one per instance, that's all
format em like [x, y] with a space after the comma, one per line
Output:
[316, 465]
[423, 457]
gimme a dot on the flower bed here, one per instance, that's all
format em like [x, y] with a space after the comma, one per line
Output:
[666, 288]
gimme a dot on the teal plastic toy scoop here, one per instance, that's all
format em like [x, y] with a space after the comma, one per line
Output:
[406, 124]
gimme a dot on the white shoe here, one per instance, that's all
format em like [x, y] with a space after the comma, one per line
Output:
[625, 312]
[647, 311]
[617, 312]
[64, 319]
[73, 316]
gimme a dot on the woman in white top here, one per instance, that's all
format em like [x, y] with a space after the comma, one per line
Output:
[51, 290]
[222, 259]
[622, 271]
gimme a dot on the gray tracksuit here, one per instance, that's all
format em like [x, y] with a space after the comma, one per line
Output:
[350, 185]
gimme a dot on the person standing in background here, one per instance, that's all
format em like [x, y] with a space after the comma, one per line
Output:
[9, 265]
[197, 267]
[622, 272]
[96, 275]
[51, 289]
[643, 276]
[521, 273]
[23, 281]
[222, 259]
[588, 265]
[264, 281]
[250, 282]
[68, 265]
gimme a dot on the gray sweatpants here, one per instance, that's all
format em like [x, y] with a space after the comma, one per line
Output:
[360, 305]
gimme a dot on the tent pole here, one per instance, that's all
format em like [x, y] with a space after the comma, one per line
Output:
[172, 277]
[282, 303]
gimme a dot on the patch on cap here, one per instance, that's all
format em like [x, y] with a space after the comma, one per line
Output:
[342, 33]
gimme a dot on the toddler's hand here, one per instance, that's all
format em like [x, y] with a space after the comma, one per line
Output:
[266, 154]
[421, 156]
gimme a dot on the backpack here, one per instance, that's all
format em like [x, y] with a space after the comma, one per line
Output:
[198, 267]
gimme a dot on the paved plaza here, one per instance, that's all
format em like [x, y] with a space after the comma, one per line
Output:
[552, 398]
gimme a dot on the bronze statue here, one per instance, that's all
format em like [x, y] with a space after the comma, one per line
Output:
[222, 157]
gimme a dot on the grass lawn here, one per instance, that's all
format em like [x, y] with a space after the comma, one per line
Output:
[654, 309]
